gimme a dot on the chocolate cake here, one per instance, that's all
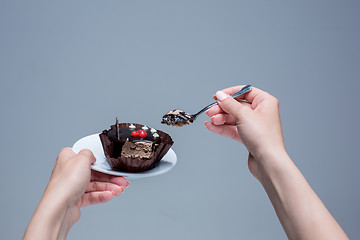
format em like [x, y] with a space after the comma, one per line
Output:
[132, 147]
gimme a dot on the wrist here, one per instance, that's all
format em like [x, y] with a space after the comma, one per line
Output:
[50, 217]
[272, 163]
[56, 191]
[54, 209]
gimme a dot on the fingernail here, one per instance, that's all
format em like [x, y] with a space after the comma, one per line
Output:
[207, 113]
[122, 189]
[113, 193]
[212, 118]
[128, 184]
[214, 97]
[220, 95]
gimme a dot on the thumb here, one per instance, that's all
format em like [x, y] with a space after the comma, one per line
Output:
[229, 104]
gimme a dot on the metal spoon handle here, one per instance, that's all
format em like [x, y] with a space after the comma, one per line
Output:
[245, 89]
[204, 109]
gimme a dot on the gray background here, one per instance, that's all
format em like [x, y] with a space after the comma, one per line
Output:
[68, 68]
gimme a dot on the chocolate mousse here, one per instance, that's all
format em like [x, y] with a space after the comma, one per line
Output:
[139, 149]
[177, 118]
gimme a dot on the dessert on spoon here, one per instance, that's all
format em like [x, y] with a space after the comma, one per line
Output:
[179, 118]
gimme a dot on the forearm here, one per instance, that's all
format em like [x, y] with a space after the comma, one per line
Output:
[49, 219]
[300, 211]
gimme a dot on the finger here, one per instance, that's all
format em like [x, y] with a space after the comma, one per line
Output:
[230, 105]
[225, 130]
[93, 198]
[103, 186]
[223, 119]
[87, 155]
[231, 90]
[216, 109]
[101, 177]
[249, 96]
[65, 153]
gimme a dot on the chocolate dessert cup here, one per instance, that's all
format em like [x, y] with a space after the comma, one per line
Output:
[122, 160]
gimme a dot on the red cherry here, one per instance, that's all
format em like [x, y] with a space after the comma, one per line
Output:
[142, 133]
[134, 133]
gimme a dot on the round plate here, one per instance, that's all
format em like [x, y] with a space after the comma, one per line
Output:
[93, 143]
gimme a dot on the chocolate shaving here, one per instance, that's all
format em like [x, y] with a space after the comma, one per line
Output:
[117, 128]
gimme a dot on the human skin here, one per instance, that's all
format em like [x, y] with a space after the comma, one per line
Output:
[72, 185]
[257, 125]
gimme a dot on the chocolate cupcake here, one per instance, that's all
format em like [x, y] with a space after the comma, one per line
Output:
[131, 147]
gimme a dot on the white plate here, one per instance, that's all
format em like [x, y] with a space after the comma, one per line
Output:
[93, 143]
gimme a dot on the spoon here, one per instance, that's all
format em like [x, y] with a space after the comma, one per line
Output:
[179, 118]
